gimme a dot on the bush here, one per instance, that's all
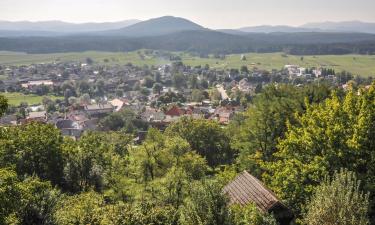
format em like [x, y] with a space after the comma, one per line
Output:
[338, 201]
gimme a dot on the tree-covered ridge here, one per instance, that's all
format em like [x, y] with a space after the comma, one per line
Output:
[200, 41]
[310, 144]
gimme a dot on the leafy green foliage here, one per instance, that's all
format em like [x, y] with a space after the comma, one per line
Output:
[205, 137]
[265, 122]
[26, 202]
[205, 205]
[39, 200]
[292, 137]
[33, 149]
[10, 196]
[3, 105]
[338, 201]
[79, 209]
[124, 120]
[329, 136]
[91, 160]
[250, 215]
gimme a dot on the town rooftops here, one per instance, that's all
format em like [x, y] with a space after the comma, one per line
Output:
[98, 107]
[118, 104]
[37, 115]
[175, 111]
[37, 83]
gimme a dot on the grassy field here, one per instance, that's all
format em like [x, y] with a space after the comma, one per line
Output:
[357, 64]
[17, 98]
[14, 58]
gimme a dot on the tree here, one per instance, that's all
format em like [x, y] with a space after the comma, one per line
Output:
[145, 92]
[100, 88]
[186, 166]
[89, 161]
[178, 80]
[215, 95]
[26, 202]
[250, 215]
[79, 209]
[39, 200]
[42, 90]
[3, 105]
[197, 95]
[193, 81]
[89, 61]
[72, 100]
[153, 156]
[157, 77]
[33, 148]
[85, 99]
[205, 137]
[244, 69]
[338, 201]
[338, 133]
[119, 93]
[157, 88]
[124, 120]
[148, 81]
[205, 205]
[265, 122]
[10, 196]
[83, 87]
[114, 122]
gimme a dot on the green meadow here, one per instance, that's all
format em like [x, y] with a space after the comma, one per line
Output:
[357, 64]
[17, 98]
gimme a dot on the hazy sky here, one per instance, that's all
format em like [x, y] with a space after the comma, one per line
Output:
[209, 13]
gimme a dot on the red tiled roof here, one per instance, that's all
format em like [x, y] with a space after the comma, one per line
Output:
[245, 189]
[175, 111]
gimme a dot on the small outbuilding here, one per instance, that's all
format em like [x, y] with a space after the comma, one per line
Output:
[246, 189]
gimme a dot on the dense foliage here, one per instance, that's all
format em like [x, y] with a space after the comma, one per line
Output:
[294, 139]
[202, 41]
[338, 201]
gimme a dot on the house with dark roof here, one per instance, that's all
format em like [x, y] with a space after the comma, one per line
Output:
[246, 189]
[69, 128]
[8, 120]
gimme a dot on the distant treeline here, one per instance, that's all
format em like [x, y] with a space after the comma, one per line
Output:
[202, 42]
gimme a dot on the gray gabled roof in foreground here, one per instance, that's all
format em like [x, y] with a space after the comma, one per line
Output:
[246, 189]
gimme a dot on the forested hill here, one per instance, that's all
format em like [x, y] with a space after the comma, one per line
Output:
[202, 41]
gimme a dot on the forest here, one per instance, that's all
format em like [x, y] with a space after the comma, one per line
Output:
[203, 42]
[312, 145]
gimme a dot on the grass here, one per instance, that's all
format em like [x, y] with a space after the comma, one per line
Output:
[13, 58]
[357, 64]
[363, 65]
[16, 98]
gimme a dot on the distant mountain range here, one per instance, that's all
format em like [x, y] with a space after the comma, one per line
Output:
[277, 29]
[59, 27]
[155, 27]
[348, 26]
[179, 34]
[164, 25]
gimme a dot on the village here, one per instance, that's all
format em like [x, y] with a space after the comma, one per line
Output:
[89, 96]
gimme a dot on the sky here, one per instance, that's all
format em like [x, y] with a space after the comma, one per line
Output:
[209, 13]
